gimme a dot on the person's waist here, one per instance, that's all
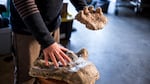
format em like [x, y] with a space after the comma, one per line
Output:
[27, 32]
[23, 32]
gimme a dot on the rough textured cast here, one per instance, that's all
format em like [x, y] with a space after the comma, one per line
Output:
[93, 19]
[79, 71]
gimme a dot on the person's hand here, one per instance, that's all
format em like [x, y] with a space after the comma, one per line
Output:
[56, 51]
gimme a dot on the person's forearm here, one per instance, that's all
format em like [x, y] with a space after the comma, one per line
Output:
[33, 20]
[79, 4]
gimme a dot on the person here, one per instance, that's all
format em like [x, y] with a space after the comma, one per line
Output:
[35, 25]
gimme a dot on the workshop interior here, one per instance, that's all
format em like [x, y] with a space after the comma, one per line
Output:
[120, 51]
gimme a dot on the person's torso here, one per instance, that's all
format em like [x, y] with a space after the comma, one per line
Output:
[49, 10]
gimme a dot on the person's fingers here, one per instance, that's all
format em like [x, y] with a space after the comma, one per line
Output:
[61, 59]
[65, 56]
[53, 59]
[46, 58]
[63, 48]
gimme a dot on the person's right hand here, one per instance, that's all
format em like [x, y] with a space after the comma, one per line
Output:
[56, 51]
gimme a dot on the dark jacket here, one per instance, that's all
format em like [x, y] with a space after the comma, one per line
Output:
[44, 17]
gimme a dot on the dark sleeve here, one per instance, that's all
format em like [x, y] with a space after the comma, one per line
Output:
[29, 12]
[79, 4]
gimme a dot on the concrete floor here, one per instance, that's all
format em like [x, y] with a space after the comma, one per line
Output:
[120, 51]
